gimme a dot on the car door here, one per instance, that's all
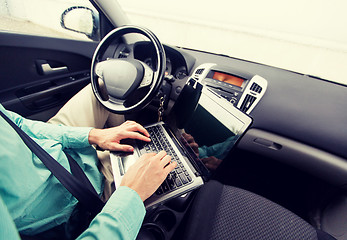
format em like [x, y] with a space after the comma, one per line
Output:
[42, 62]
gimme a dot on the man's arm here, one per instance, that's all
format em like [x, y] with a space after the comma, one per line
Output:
[79, 137]
[69, 137]
[122, 216]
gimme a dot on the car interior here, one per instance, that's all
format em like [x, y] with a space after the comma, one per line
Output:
[293, 154]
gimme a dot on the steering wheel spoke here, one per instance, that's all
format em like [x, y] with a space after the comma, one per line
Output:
[147, 77]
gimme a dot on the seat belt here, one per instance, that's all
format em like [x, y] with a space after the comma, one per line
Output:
[76, 183]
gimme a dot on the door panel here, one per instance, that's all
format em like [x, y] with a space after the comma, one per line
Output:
[39, 74]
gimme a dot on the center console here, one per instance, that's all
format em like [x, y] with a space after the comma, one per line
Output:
[162, 221]
[242, 89]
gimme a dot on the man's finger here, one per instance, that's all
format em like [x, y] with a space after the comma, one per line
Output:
[148, 155]
[135, 135]
[165, 161]
[121, 147]
[194, 145]
[170, 167]
[135, 127]
[160, 155]
[189, 138]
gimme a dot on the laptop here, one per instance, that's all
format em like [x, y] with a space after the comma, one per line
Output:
[201, 125]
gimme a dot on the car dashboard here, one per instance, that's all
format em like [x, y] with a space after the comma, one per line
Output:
[292, 122]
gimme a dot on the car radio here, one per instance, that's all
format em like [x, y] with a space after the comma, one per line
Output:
[242, 89]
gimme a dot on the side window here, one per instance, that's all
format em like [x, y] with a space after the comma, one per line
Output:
[73, 19]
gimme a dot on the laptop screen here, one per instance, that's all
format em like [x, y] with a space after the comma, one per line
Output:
[211, 127]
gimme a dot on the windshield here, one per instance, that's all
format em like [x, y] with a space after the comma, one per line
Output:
[308, 36]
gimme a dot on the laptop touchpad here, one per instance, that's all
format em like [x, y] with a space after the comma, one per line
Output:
[126, 161]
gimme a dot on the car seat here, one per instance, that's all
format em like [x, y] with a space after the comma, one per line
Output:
[225, 212]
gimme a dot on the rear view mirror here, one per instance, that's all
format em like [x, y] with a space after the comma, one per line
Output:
[82, 20]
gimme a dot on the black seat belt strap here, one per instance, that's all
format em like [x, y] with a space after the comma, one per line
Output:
[77, 171]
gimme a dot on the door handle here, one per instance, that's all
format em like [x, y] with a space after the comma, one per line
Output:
[47, 69]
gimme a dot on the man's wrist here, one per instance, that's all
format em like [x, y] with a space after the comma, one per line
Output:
[93, 137]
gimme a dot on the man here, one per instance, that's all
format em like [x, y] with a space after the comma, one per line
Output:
[32, 200]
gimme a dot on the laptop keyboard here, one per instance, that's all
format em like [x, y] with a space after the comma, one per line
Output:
[179, 176]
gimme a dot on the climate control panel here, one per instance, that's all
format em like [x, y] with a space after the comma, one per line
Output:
[242, 89]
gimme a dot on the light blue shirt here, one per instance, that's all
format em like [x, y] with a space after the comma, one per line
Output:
[35, 199]
[218, 150]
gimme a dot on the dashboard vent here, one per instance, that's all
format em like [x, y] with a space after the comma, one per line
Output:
[256, 88]
[199, 71]
[195, 78]
[247, 103]
[124, 53]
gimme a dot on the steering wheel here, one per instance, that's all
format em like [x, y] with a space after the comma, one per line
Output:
[126, 85]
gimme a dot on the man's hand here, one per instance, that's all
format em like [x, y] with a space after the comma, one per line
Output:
[148, 173]
[211, 163]
[109, 139]
[191, 141]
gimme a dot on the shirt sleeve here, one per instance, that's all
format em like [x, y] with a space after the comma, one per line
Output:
[218, 150]
[69, 137]
[121, 218]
